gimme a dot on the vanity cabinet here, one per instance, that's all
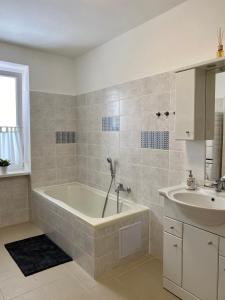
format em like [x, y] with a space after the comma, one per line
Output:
[193, 261]
[190, 105]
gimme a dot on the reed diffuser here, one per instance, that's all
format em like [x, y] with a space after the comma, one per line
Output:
[220, 51]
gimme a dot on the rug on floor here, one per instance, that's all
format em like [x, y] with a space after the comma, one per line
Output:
[36, 254]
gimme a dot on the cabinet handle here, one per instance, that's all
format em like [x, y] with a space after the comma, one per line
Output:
[171, 227]
[175, 245]
[210, 243]
[187, 132]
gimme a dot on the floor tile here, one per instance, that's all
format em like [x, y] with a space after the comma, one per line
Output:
[7, 273]
[65, 289]
[110, 289]
[18, 232]
[127, 267]
[37, 294]
[50, 275]
[83, 277]
[145, 282]
[17, 285]
[140, 279]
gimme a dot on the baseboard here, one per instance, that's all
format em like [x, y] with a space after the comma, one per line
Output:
[177, 290]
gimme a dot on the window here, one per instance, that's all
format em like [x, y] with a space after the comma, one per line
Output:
[14, 116]
[8, 101]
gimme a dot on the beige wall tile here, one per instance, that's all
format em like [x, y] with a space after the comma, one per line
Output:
[145, 170]
[52, 163]
[14, 200]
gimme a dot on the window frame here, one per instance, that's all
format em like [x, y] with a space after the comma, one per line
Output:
[21, 73]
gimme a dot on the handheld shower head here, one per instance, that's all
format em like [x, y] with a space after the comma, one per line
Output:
[112, 171]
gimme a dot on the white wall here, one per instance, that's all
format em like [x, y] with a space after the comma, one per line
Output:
[184, 35]
[48, 73]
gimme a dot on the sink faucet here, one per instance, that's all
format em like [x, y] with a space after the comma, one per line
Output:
[219, 185]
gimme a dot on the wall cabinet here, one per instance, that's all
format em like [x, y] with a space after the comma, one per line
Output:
[193, 265]
[195, 98]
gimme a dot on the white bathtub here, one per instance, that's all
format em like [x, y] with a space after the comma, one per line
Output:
[87, 202]
[71, 215]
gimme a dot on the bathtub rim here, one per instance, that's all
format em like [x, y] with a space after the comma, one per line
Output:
[95, 222]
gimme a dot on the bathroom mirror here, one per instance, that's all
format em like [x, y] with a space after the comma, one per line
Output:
[215, 148]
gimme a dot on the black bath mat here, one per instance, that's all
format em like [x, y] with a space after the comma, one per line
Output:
[36, 254]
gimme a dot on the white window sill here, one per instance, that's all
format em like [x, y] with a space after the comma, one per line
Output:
[12, 173]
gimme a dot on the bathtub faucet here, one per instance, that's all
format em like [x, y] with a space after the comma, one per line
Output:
[121, 188]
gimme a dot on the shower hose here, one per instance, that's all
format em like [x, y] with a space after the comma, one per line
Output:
[107, 198]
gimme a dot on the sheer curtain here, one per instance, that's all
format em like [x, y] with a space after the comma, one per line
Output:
[11, 145]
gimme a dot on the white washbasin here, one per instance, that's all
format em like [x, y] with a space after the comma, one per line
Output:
[199, 199]
[204, 205]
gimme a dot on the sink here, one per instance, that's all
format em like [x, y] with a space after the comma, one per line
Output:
[204, 205]
[199, 199]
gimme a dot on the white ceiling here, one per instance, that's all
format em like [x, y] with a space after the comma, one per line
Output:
[72, 27]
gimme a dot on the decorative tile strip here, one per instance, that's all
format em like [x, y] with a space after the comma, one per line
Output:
[155, 139]
[65, 137]
[111, 123]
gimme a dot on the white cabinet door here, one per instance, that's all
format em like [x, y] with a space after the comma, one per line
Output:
[190, 105]
[172, 258]
[200, 262]
[185, 105]
[221, 287]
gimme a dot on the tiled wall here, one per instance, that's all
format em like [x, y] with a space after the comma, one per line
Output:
[214, 148]
[143, 167]
[53, 143]
[120, 122]
[14, 200]
[111, 122]
[53, 161]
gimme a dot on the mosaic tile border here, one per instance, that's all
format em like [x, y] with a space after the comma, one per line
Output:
[66, 137]
[111, 123]
[155, 139]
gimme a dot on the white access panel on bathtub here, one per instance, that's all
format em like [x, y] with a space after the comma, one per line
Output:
[129, 239]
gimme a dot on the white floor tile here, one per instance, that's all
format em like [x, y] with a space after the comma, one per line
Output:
[137, 280]
[17, 285]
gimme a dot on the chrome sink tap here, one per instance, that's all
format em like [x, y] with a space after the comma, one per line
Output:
[219, 185]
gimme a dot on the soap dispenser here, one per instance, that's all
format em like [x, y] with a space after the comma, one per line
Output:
[191, 183]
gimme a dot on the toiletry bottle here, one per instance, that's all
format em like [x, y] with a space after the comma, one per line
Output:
[191, 184]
